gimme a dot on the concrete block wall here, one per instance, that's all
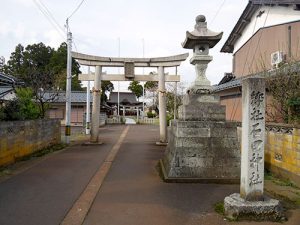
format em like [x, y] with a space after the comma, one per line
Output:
[282, 151]
[21, 138]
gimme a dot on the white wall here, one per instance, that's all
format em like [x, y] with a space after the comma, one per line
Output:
[272, 16]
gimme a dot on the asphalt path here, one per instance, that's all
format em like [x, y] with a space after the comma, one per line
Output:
[44, 193]
[134, 194]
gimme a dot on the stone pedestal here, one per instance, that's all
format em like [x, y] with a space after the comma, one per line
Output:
[237, 208]
[203, 146]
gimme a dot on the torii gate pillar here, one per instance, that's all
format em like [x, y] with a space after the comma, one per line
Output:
[96, 106]
[162, 107]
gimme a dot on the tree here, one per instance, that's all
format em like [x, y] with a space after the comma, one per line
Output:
[151, 86]
[58, 65]
[284, 89]
[136, 88]
[171, 97]
[14, 66]
[43, 69]
[2, 62]
[106, 86]
[22, 107]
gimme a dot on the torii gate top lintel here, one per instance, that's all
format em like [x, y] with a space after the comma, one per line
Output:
[91, 60]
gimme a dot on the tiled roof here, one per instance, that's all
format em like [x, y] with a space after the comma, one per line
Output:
[76, 96]
[228, 85]
[9, 80]
[287, 69]
[227, 77]
[125, 97]
[6, 93]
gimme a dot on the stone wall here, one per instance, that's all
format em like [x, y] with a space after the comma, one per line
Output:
[21, 138]
[282, 151]
[203, 150]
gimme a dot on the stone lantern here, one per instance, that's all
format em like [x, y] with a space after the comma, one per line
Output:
[201, 40]
[202, 145]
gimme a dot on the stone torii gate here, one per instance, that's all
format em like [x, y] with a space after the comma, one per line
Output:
[129, 65]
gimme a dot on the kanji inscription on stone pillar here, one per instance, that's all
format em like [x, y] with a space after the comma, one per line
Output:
[253, 134]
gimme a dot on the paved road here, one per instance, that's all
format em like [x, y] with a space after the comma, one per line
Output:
[132, 192]
[129, 121]
[44, 193]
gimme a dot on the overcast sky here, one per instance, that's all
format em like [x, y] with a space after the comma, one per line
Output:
[98, 24]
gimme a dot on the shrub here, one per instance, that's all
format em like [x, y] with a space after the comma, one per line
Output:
[21, 108]
[150, 114]
[169, 118]
[28, 108]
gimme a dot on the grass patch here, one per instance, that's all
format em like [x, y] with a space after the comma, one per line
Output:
[268, 175]
[44, 151]
[159, 170]
[5, 171]
[219, 208]
[9, 170]
[279, 181]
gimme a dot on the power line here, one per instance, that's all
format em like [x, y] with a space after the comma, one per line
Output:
[67, 24]
[76, 9]
[49, 17]
[218, 11]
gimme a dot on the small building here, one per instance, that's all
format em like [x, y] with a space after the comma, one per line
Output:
[127, 101]
[78, 107]
[266, 35]
[6, 94]
[7, 85]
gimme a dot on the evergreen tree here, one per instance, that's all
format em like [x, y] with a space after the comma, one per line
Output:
[136, 88]
[43, 69]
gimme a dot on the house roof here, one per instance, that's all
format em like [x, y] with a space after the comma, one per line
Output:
[76, 96]
[125, 98]
[232, 83]
[6, 93]
[246, 16]
[8, 80]
[228, 85]
[227, 77]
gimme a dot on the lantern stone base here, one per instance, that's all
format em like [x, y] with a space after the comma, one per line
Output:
[236, 208]
[202, 145]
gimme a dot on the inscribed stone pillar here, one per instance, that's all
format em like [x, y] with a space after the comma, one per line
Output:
[162, 106]
[253, 139]
[96, 105]
[251, 203]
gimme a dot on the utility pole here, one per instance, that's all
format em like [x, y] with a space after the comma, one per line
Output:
[119, 52]
[68, 86]
[143, 41]
[88, 105]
